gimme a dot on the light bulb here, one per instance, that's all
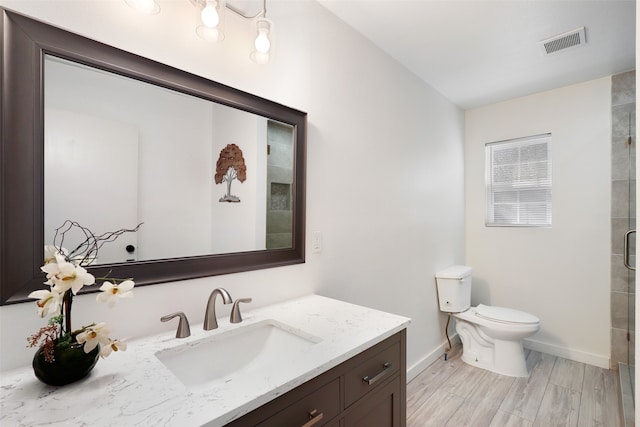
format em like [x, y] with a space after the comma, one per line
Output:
[209, 15]
[262, 42]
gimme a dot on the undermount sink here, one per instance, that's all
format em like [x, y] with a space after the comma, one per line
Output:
[260, 346]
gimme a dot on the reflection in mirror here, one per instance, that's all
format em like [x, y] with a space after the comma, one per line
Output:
[148, 155]
[279, 185]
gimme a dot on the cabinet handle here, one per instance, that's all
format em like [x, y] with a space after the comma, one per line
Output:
[314, 418]
[385, 369]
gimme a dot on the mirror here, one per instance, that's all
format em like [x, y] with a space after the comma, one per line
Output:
[149, 155]
[143, 146]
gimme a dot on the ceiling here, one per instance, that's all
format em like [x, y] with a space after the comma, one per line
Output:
[480, 52]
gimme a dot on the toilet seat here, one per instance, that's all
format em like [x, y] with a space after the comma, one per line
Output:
[505, 315]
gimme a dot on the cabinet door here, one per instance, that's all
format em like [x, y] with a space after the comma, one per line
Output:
[380, 409]
[321, 406]
[336, 423]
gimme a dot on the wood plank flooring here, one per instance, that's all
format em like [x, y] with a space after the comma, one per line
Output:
[558, 392]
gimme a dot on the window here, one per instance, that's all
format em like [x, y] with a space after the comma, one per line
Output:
[518, 182]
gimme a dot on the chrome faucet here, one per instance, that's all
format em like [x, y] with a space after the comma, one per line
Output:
[210, 321]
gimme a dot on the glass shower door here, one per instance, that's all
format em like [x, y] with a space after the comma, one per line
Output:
[623, 223]
[630, 258]
[627, 371]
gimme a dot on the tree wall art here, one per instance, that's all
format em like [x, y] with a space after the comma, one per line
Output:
[230, 166]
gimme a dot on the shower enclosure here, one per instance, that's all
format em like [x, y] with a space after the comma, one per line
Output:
[623, 224]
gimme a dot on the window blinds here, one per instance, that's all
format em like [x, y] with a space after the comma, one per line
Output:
[518, 182]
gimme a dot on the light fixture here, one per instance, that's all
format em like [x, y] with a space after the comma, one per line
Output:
[211, 18]
[262, 43]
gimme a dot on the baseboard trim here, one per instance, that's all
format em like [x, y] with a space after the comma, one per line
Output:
[554, 350]
[415, 369]
[568, 353]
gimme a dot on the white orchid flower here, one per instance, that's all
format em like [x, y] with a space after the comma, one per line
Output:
[51, 265]
[64, 276]
[94, 335]
[51, 253]
[51, 268]
[114, 345]
[111, 292]
[48, 302]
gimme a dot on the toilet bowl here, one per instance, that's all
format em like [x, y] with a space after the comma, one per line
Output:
[491, 336]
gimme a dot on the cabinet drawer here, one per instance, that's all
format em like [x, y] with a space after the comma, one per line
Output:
[324, 401]
[371, 372]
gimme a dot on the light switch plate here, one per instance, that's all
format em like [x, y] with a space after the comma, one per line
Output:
[316, 242]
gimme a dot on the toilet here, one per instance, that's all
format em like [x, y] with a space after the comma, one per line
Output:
[491, 336]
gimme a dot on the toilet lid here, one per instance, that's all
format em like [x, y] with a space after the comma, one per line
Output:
[506, 315]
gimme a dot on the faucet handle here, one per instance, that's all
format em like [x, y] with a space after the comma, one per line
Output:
[183, 325]
[236, 317]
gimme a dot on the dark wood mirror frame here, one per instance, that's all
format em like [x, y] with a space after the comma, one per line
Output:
[24, 44]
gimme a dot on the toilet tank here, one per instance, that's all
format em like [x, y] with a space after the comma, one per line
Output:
[454, 288]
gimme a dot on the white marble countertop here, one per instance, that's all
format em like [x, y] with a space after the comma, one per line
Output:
[135, 389]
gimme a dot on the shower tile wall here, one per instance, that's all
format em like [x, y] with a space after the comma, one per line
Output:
[623, 187]
[279, 186]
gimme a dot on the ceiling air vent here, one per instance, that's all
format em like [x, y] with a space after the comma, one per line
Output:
[564, 41]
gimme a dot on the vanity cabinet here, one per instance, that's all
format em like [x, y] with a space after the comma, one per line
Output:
[368, 390]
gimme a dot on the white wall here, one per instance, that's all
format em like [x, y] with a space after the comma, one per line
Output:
[384, 168]
[561, 274]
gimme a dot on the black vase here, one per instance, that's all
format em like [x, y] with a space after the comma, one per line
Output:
[71, 364]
